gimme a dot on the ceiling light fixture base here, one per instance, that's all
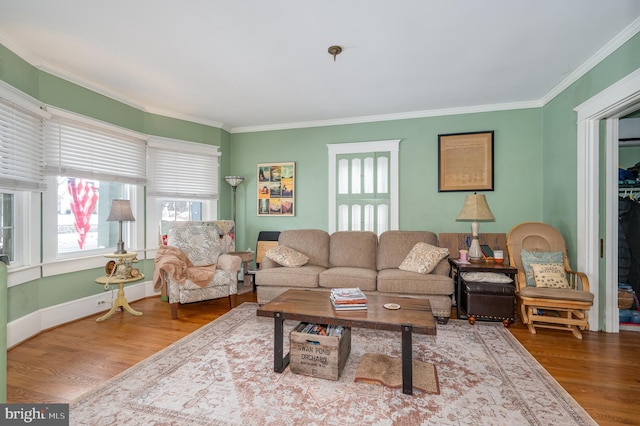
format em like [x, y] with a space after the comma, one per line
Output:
[335, 51]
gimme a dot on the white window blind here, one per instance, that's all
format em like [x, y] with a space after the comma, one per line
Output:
[22, 162]
[84, 150]
[179, 169]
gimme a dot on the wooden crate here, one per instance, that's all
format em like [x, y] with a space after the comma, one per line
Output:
[317, 355]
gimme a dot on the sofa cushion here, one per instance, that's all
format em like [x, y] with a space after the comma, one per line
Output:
[557, 293]
[354, 249]
[423, 258]
[286, 256]
[550, 275]
[338, 277]
[199, 243]
[404, 282]
[529, 257]
[393, 246]
[304, 276]
[314, 243]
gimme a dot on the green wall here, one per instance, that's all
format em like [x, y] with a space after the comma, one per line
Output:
[560, 136]
[517, 160]
[50, 291]
[535, 163]
[560, 150]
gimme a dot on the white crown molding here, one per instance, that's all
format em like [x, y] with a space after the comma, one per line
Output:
[391, 117]
[10, 44]
[624, 36]
[609, 48]
[186, 117]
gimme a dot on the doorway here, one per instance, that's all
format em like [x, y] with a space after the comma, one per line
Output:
[629, 220]
[608, 106]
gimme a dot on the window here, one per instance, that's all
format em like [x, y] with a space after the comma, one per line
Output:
[363, 192]
[7, 226]
[181, 210]
[363, 186]
[178, 192]
[89, 164]
[21, 179]
[83, 207]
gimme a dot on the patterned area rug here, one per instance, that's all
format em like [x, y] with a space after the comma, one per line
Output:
[223, 374]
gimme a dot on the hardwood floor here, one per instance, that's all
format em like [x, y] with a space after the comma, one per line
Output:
[602, 371]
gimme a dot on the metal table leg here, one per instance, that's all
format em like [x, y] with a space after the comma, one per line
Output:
[280, 362]
[407, 360]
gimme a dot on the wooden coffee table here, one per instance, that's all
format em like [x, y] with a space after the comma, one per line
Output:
[414, 316]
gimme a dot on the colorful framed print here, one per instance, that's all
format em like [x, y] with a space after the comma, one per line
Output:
[276, 189]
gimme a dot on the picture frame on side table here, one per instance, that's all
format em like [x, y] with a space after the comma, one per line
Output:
[465, 161]
[276, 189]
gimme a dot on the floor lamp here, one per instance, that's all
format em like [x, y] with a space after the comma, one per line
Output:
[234, 181]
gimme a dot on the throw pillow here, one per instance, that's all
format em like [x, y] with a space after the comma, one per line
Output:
[286, 256]
[199, 243]
[486, 277]
[529, 257]
[550, 275]
[423, 258]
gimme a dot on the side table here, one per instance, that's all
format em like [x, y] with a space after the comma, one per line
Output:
[458, 267]
[247, 258]
[120, 299]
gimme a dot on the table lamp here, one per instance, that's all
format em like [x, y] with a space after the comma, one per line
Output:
[475, 209]
[120, 212]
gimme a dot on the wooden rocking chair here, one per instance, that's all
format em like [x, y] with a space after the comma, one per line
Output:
[543, 307]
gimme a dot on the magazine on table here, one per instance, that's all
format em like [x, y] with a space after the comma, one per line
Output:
[348, 299]
[347, 294]
[350, 307]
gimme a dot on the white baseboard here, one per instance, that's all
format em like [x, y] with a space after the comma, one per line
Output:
[43, 319]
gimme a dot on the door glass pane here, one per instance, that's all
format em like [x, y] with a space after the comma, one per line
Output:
[343, 176]
[368, 175]
[355, 217]
[343, 217]
[369, 218]
[355, 176]
[383, 175]
[383, 218]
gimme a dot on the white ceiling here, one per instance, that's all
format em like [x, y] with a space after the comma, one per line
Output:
[255, 64]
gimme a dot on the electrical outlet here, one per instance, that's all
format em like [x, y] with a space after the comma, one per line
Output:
[101, 302]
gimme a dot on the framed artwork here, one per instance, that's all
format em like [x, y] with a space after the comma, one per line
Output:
[276, 189]
[465, 162]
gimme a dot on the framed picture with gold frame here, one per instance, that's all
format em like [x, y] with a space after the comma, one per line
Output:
[276, 189]
[465, 161]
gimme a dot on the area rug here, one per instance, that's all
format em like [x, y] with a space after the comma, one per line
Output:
[386, 370]
[222, 374]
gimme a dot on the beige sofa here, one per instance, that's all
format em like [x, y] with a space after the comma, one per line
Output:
[357, 259]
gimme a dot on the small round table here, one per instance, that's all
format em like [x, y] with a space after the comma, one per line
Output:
[120, 300]
[247, 258]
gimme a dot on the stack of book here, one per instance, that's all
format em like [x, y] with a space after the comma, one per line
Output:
[322, 329]
[348, 299]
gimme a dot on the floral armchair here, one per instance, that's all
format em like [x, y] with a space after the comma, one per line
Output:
[193, 265]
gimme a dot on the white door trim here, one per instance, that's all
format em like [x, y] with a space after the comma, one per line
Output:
[609, 103]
